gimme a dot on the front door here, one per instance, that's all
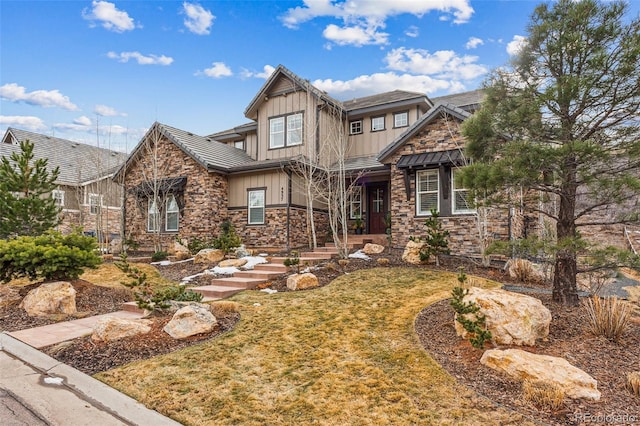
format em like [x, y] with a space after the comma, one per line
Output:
[377, 208]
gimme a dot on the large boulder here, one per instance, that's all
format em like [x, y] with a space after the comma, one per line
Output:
[180, 251]
[302, 281]
[50, 298]
[371, 248]
[411, 252]
[190, 320]
[232, 263]
[9, 295]
[512, 318]
[209, 256]
[522, 365]
[113, 328]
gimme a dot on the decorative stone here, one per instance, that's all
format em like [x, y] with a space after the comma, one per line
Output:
[113, 328]
[383, 261]
[232, 263]
[411, 252]
[189, 321]
[521, 365]
[512, 318]
[115, 246]
[209, 256]
[371, 248]
[50, 298]
[242, 252]
[343, 262]
[302, 281]
[9, 295]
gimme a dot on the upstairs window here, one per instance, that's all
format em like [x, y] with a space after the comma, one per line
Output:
[377, 124]
[256, 206]
[94, 203]
[355, 127]
[239, 145]
[172, 219]
[58, 197]
[401, 119]
[427, 185]
[285, 131]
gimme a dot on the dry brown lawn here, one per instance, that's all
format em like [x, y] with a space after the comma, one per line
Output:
[342, 354]
[108, 275]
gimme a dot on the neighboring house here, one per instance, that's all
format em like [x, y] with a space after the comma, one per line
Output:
[86, 193]
[404, 147]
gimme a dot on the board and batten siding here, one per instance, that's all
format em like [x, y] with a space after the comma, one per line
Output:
[275, 182]
[370, 143]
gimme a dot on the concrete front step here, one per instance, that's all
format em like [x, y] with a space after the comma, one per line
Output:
[267, 275]
[273, 267]
[303, 260]
[217, 291]
[240, 282]
[315, 254]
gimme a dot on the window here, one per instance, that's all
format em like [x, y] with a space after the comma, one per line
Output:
[256, 207]
[94, 203]
[355, 127]
[58, 197]
[401, 119]
[427, 191]
[459, 198]
[239, 145]
[153, 217]
[278, 138]
[356, 203]
[377, 123]
[172, 215]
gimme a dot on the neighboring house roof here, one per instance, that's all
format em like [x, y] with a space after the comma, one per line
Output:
[468, 101]
[78, 163]
[235, 133]
[384, 100]
[434, 113]
[210, 154]
[280, 71]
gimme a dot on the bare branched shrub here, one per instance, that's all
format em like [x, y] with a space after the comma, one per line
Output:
[608, 317]
[633, 383]
[594, 282]
[224, 308]
[543, 395]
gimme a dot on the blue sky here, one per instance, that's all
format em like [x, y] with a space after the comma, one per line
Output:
[101, 72]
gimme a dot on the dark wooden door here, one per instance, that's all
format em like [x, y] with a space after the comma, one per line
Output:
[377, 208]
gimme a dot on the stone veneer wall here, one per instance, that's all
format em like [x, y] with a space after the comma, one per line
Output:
[110, 218]
[464, 236]
[205, 198]
[273, 234]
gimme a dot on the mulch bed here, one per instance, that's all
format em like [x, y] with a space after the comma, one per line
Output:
[606, 361]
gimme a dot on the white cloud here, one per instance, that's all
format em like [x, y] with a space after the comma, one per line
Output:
[198, 20]
[515, 45]
[84, 124]
[83, 121]
[44, 98]
[362, 18]
[109, 16]
[22, 121]
[381, 82]
[217, 70]
[140, 58]
[267, 70]
[443, 63]
[473, 42]
[412, 31]
[107, 111]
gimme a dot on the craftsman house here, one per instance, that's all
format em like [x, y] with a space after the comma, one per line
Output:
[403, 148]
[86, 193]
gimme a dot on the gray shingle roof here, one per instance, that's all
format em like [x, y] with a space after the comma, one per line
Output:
[363, 164]
[467, 100]
[77, 162]
[382, 99]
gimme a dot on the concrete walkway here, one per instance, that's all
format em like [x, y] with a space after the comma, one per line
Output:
[39, 337]
[35, 389]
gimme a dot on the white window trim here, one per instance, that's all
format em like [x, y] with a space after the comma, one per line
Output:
[272, 133]
[355, 199]
[286, 131]
[453, 196]
[418, 193]
[250, 207]
[98, 205]
[290, 131]
[351, 123]
[373, 119]
[57, 194]
[156, 213]
[400, 114]
[242, 143]
[168, 212]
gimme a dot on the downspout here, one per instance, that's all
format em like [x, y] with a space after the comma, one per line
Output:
[289, 186]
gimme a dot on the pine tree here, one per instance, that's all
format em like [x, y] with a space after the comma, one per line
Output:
[436, 241]
[563, 122]
[26, 205]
